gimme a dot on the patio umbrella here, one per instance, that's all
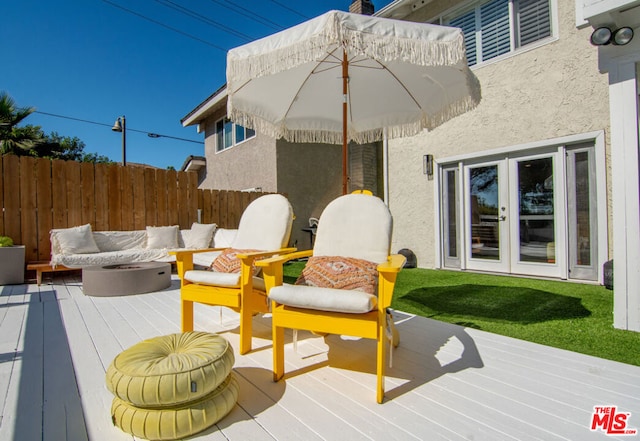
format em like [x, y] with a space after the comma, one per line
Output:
[344, 77]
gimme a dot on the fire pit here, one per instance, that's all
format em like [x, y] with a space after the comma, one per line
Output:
[126, 279]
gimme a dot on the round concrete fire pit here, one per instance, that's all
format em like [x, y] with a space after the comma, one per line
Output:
[125, 279]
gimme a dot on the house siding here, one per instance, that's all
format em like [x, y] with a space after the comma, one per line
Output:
[551, 91]
[246, 165]
[311, 177]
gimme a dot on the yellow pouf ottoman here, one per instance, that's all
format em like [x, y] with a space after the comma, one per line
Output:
[172, 386]
[178, 422]
[170, 370]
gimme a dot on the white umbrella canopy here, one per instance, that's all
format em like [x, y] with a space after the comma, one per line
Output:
[344, 77]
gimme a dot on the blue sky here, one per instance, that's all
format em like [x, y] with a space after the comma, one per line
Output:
[94, 61]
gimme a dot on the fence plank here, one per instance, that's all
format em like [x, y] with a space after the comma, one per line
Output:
[223, 209]
[101, 195]
[192, 208]
[74, 193]
[205, 206]
[44, 209]
[59, 200]
[139, 209]
[183, 201]
[127, 199]
[11, 174]
[88, 188]
[150, 197]
[172, 197]
[114, 198]
[161, 198]
[28, 224]
[234, 206]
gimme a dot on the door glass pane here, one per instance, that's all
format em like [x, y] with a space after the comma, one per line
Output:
[485, 225]
[452, 218]
[535, 194]
[583, 207]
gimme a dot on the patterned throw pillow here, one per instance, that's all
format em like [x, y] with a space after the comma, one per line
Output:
[227, 262]
[340, 273]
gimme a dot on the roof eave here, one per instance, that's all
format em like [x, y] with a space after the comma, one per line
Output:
[204, 109]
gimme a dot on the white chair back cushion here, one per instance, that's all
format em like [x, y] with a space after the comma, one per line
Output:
[355, 225]
[265, 224]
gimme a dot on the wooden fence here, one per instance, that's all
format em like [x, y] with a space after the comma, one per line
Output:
[37, 195]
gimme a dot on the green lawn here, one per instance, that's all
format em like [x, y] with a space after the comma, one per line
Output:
[565, 315]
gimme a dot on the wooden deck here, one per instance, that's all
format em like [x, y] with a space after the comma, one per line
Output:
[447, 382]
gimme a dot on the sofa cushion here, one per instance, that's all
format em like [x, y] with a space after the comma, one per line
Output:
[338, 272]
[75, 240]
[120, 240]
[162, 237]
[200, 236]
[324, 299]
[111, 258]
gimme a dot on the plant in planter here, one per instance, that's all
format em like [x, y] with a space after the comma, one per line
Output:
[11, 262]
[6, 241]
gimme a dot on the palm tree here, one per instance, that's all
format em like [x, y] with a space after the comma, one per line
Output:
[14, 139]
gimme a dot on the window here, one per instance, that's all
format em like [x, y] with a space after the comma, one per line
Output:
[229, 134]
[498, 27]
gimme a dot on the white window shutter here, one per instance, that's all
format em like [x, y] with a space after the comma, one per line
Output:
[495, 29]
[534, 21]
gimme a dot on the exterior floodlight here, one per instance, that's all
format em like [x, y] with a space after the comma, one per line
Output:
[601, 36]
[622, 36]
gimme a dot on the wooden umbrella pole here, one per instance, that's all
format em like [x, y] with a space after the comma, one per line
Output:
[345, 79]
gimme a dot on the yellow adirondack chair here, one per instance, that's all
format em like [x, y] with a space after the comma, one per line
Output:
[354, 231]
[264, 231]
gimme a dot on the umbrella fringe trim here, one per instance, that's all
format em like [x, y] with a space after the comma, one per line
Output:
[316, 47]
[368, 136]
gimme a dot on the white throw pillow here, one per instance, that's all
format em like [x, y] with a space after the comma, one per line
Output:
[162, 237]
[200, 235]
[76, 240]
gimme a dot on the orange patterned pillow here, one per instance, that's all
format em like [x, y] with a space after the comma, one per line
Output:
[340, 273]
[227, 262]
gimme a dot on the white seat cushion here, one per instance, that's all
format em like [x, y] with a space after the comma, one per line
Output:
[212, 278]
[324, 299]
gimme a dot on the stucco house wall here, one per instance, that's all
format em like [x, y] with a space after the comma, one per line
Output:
[249, 164]
[542, 93]
[311, 176]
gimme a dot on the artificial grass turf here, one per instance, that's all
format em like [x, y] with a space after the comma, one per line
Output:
[573, 316]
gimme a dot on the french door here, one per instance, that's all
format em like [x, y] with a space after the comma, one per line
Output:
[531, 214]
[524, 213]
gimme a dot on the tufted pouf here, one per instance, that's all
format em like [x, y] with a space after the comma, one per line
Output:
[170, 370]
[180, 421]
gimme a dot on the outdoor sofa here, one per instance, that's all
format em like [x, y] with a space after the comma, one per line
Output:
[79, 247]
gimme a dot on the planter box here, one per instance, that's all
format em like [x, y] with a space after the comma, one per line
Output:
[12, 265]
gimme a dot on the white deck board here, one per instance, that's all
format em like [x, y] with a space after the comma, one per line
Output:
[446, 383]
